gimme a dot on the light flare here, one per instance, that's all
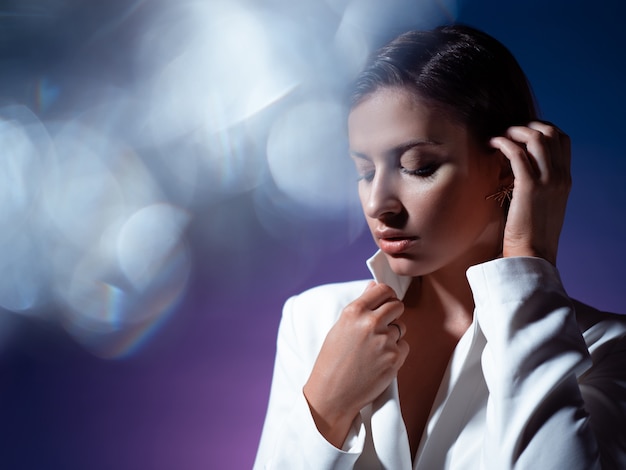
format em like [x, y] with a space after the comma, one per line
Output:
[307, 156]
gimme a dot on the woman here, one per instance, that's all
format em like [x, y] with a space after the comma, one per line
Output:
[465, 352]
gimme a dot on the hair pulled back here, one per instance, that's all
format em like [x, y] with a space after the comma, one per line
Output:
[467, 72]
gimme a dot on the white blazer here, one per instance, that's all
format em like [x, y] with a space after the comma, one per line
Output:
[537, 382]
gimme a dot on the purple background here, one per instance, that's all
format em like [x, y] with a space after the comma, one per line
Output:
[194, 395]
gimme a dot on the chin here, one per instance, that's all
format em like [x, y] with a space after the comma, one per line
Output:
[403, 266]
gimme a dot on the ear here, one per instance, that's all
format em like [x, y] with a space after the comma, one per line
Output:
[505, 176]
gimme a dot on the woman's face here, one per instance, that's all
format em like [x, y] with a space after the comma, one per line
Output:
[423, 183]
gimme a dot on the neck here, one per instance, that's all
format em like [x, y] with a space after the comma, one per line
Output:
[446, 295]
[446, 301]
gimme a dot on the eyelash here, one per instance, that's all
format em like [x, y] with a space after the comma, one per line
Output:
[366, 177]
[423, 172]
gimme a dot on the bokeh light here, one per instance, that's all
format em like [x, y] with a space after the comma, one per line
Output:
[114, 155]
[308, 156]
[112, 315]
[25, 148]
[215, 64]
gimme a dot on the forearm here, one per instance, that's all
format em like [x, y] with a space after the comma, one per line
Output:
[536, 415]
[290, 437]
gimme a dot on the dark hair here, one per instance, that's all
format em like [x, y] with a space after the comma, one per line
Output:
[466, 71]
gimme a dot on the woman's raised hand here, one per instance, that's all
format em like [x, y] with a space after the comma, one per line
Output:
[540, 159]
[360, 357]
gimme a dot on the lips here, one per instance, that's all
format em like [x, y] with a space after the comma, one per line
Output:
[394, 242]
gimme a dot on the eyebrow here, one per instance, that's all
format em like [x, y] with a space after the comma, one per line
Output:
[402, 148]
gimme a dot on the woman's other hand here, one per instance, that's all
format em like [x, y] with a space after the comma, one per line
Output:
[360, 357]
[540, 159]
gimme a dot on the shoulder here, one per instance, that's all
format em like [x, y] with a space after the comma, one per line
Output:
[325, 302]
[340, 292]
[308, 316]
[603, 331]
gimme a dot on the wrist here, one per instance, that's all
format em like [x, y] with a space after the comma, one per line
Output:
[518, 251]
[528, 255]
[332, 421]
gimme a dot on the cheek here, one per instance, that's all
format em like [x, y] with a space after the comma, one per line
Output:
[446, 209]
[468, 211]
[437, 200]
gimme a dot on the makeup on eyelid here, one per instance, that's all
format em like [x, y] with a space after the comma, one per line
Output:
[412, 168]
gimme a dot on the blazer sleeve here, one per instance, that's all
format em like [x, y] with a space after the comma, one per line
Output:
[290, 439]
[552, 404]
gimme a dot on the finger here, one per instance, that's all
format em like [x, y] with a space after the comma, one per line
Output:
[537, 145]
[566, 145]
[550, 139]
[566, 156]
[558, 130]
[523, 170]
[398, 328]
[388, 313]
[376, 294]
[369, 286]
[556, 158]
[560, 146]
[403, 348]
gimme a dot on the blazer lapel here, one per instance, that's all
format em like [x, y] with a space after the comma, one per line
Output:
[388, 431]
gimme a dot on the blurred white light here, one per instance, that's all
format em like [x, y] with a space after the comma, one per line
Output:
[147, 241]
[93, 182]
[25, 143]
[231, 162]
[21, 274]
[222, 67]
[116, 253]
[112, 304]
[25, 149]
[352, 47]
[375, 18]
[114, 111]
[87, 220]
[338, 6]
[209, 71]
[308, 156]
[370, 16]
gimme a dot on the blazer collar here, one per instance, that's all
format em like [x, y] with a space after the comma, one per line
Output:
[380, 269]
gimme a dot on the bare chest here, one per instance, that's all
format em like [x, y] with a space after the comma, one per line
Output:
[420, 377]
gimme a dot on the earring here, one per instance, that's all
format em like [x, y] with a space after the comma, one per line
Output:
[504, 193]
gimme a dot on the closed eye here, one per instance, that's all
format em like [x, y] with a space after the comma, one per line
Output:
[423, 172]
[368, 176]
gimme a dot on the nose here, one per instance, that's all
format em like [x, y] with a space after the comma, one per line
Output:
[380, 199]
